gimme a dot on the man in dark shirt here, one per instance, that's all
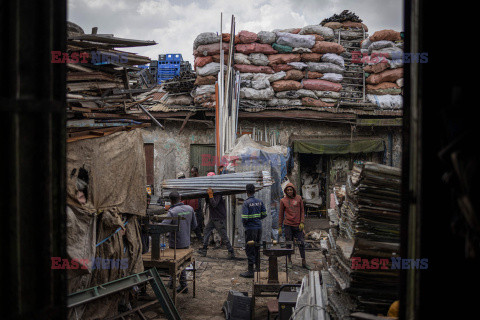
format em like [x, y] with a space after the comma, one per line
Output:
[182, 239]
[217, 221]
[253, 212]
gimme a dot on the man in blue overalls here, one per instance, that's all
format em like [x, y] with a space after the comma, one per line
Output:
[253, 212]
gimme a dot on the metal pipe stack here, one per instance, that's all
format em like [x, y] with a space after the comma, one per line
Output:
[225, 184]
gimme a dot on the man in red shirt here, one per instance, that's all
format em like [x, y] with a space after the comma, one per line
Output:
[292, 216]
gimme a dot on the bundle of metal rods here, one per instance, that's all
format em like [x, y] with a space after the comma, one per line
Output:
[225, 184]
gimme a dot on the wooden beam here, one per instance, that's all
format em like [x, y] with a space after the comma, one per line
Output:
[185, 121]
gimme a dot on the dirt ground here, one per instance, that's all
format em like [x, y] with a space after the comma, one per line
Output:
[216, 275]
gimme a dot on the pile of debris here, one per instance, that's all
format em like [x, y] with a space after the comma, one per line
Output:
[359, 259]
[346, 18]
[383, 54]
[179, 88]
[103, 83]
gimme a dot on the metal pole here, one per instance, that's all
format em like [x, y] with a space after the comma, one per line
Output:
[151, 117]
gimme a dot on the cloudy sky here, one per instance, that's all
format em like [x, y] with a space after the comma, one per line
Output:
[174, 24]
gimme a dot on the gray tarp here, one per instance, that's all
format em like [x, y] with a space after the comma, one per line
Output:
[116, 193]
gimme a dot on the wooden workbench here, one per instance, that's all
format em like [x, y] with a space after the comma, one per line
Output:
[172, 265]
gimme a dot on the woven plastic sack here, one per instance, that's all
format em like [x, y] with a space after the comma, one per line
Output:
[333, 25]
[253, 69]
[365, 43]
[258, 59]
[386, 101]
[247, 36]
[249, 93]
[266, 37]
[181, 100]
[200, 81]
[327, 47]
[306, 93]
[213, 68]
[328, 94]
[202, 61]
[296, 75]
[283, 58]
[321, 85]
[255, 48]
[210, 49]
[333, 77]
[298, 65]
[286, 85]
[334, 58]
[311, 102]
[260, 81]
[284, 102]
[287, 94]
[380, 45]
[281, 67]
[246, 75]
[384, 88]
[390, 75]
[311, 57]
[277, 76]
[295, 40]
[205, 38]
[282, 49]
[200, 90]
[240, 58]
[313, 75]
[301, 50]
[324, 67]
[325, 32]
[390, 35]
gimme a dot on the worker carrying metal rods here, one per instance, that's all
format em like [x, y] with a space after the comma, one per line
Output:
[292, 217]
[253, 211]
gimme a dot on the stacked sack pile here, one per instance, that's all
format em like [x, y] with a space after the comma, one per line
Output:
[206, 50]
[384, 69]
[289, 68]
[349, 30]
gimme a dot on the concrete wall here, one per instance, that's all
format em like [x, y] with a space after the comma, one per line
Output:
[172, 150]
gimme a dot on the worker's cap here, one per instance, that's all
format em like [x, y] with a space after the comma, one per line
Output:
[210, 174]
[180, 175]
[174, 195]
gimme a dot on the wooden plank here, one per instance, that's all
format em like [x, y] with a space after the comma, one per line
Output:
[90, 76]
[388, 122]
[85, 86]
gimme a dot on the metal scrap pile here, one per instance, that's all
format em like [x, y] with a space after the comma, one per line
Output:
[182, 83]
[359, 259]
[345, 16]
[225, 184]
[103, 83]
